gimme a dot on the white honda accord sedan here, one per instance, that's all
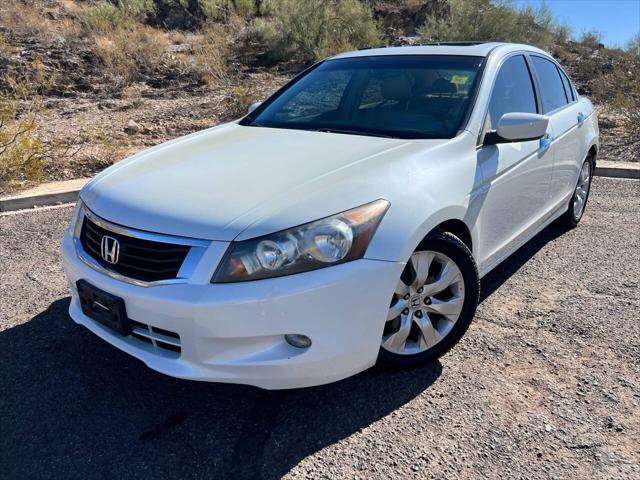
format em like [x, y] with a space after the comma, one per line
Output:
[345, 221]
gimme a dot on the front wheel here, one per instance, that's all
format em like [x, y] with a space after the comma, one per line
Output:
[433, 304]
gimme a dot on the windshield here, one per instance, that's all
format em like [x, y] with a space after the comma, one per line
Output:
[403, 96]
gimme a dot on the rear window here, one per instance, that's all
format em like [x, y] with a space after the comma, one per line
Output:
[551, 85]
[567, 87]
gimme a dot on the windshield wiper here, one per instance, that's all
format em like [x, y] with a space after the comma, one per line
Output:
[353, 132]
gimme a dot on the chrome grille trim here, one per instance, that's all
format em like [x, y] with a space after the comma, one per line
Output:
[155, 337]
[197, 250]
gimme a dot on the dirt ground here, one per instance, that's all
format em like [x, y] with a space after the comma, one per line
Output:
[546, 383]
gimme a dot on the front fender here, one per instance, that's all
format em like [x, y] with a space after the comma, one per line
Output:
[393, 247]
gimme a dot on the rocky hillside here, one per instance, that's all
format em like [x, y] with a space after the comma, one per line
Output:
[84, 83]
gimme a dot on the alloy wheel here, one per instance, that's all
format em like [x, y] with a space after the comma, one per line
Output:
[582, 190]
[426, 304]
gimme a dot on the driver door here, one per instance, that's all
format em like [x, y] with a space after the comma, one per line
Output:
[516, 175]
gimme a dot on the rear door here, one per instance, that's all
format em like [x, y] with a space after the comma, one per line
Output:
[560, 103]
[517, 175]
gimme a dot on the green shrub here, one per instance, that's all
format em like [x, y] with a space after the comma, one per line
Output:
[214, 9]
[591, 39]
[493, 20]
[309, 30]
[562, 33]
[103, 17]
[245, 8]
[266, 7]
[137, 8]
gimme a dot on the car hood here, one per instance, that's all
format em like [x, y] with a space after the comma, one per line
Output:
[216, 183]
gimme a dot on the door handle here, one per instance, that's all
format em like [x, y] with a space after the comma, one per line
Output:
[545, 142]
[581, 118]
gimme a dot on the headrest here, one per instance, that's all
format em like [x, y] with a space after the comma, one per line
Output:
[396, 88]
[442, 85]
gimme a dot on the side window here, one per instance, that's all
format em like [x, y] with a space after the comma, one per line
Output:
[553, 95]
[567, 87]
[512, 91]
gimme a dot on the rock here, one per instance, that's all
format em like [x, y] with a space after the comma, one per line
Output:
[132, 128]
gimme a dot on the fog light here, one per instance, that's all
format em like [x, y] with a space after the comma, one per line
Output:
[298, 341]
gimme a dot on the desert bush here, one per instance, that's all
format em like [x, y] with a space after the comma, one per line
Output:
[214, 9]
[620, 88]
[265, 7]
[237, 104]
[493, 20]
[21, 148]
[130, 51]
[103, 17]
[210, 54]
[245, 8]
[107, 16]
[221, 9]
[633, 46]
[29, 17]
[309, 30]
[123, 44]
[5, 46]
[561, 33]
[138, 9]
[591, 39]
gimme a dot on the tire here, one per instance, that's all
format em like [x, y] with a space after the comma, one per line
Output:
[430, 321]
[572, 216]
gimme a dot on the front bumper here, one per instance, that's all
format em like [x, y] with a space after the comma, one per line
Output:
[235, 332]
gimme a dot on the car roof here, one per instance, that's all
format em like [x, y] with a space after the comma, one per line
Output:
[478, 49]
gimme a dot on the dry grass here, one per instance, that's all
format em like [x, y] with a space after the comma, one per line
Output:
[211, 55]
[129, 51]
[30, 17]
[5, 47]
[238, 102]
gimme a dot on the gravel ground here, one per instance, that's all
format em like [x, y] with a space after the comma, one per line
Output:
[546, 383]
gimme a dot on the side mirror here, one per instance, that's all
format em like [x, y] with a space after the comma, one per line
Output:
[518, 127]
[253, 106]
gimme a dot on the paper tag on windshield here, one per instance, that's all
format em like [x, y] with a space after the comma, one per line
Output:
[459, 79]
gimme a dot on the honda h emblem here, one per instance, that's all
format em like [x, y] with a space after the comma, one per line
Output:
[110, 249]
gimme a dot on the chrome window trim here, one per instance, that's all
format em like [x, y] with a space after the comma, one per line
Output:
[195, 254]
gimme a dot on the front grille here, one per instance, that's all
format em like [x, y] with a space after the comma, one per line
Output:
[139, 259]
[158, 337]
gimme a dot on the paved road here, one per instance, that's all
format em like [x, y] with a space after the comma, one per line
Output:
[545, 384]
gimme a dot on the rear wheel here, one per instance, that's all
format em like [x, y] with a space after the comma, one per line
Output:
[578, 201]
[433, 304]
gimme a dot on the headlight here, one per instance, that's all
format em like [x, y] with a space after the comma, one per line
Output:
[330, 241]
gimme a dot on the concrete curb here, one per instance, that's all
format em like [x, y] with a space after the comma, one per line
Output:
[22, 203]
[616, 171]
[56, 193]
[53, 193]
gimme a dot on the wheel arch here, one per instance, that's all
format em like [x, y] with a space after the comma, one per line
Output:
[456, 227]
[593, 151]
